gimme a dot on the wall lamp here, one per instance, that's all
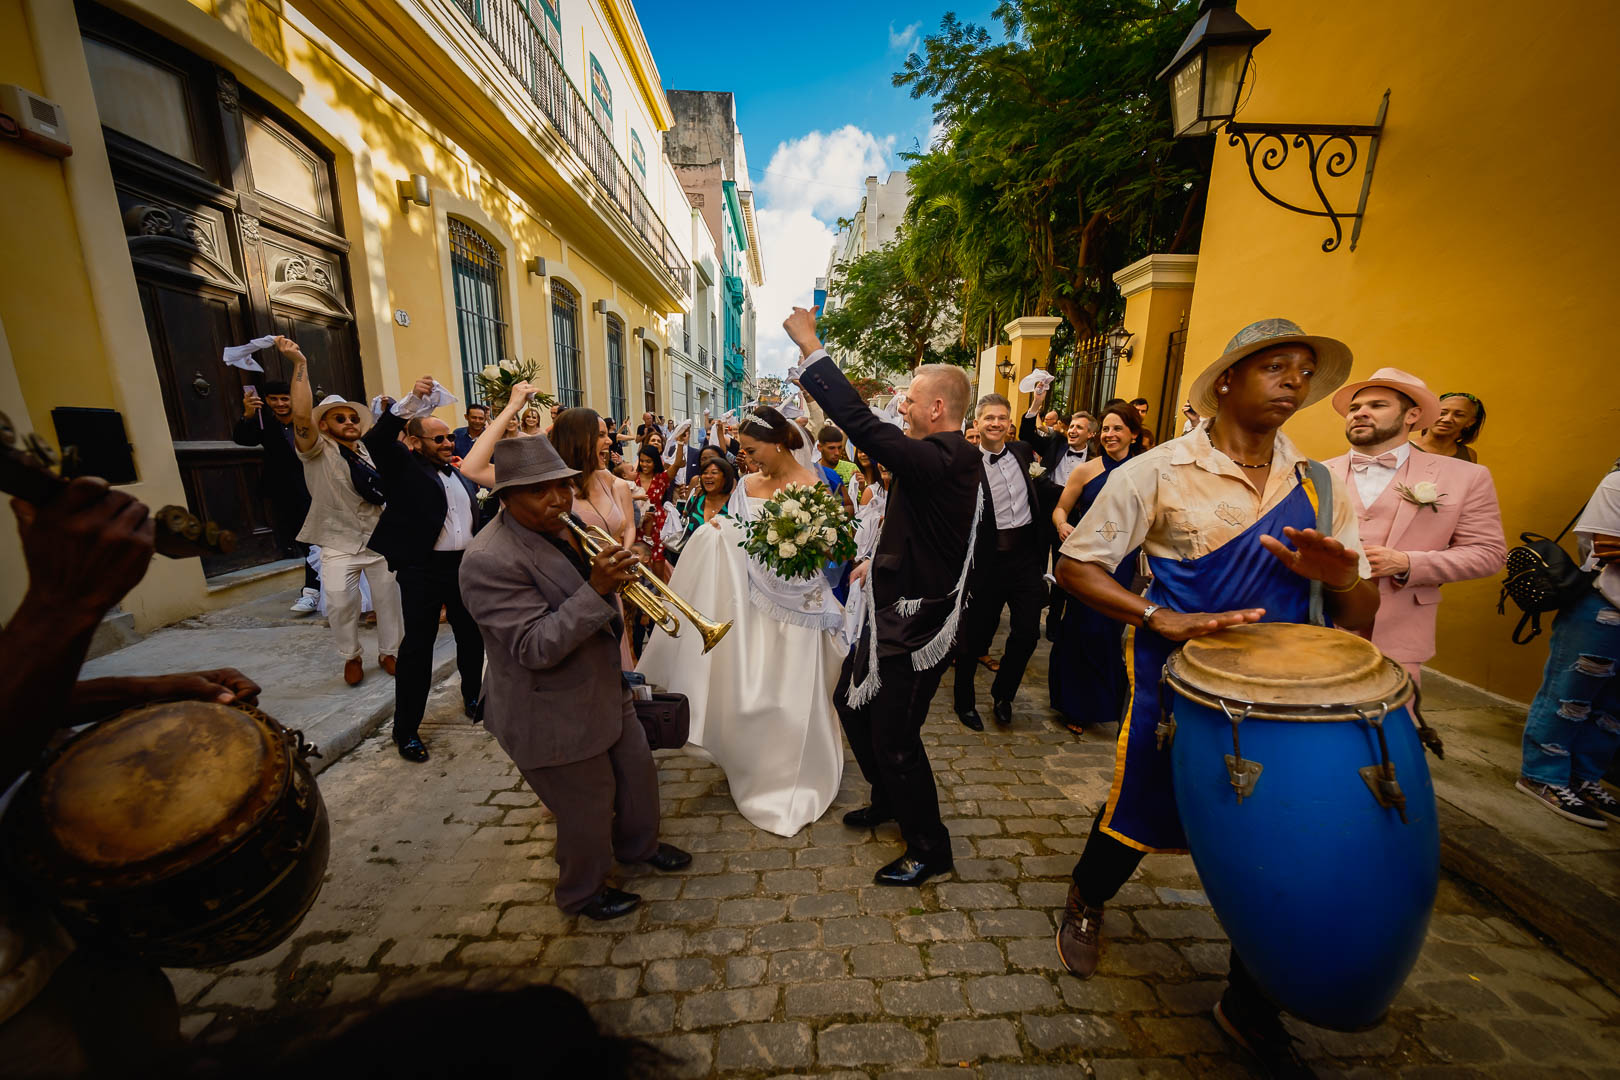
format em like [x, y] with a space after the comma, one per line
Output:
[1006, 370]
[1205, 78]
[600, 307]
[535, 265]
[1119, 343]
[415, 190]
[639, 333]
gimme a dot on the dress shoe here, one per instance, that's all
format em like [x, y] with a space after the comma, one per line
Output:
[970, 719]
[1002, 711]
[412, 749]
[668, 857]
[386, 662]
[610, 903]
[1079, 936]
[911, 869]
[353, 671]
[868, 817]
[472, 710]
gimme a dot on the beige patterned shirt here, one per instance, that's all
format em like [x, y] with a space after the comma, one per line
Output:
[1184, 498]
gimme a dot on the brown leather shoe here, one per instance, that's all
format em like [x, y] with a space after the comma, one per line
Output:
[1079, 937]
[386, 662]
[353, 671]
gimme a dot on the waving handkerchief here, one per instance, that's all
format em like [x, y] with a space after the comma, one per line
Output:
[411, 406]
[1035, 380]
[241, 356]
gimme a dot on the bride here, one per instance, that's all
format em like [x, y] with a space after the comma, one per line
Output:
[761, 700]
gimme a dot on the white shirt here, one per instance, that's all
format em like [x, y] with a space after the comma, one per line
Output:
[458, 515]
[1008, 490]
[1371, 481]
[1068, 460]
[1601, 518]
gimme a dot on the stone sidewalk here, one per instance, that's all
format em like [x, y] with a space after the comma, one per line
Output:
[775, 956]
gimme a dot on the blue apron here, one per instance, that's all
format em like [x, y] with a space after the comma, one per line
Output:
[1141, 809]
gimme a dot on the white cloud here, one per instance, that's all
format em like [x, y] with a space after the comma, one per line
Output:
[810, 182]
[905, 40]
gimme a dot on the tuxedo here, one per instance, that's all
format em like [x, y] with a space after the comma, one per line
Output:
[417, 516]
[281, 476]
[1460, 539]
[1051, 448]
[1007, 572]
[920, 553]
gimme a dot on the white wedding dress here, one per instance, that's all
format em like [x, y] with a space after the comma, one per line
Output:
[761, 700]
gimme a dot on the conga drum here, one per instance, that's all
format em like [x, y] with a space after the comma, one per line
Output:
[1308, 811]
[187, 833]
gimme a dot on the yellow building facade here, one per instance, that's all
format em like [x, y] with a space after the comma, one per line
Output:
[242, 167]
[1486, 262]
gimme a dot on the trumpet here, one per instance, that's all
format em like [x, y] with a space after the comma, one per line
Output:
[649, 594]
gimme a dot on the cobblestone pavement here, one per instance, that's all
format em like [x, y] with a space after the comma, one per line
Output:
[775, 956]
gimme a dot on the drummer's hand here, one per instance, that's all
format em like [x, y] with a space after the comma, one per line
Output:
[1315, 557]
[85, 548]
[1184, 626]
[612, 568]
[224, 685]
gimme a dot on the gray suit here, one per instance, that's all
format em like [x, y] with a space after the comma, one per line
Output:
[555, 699]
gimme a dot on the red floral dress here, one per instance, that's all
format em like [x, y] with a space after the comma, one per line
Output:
[652, 519]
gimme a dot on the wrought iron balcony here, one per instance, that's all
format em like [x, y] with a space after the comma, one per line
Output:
[512, 32]
[703, 357]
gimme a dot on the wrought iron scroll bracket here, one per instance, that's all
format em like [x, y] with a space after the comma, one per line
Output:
[1331, 150]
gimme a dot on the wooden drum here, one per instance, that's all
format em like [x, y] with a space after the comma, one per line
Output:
[188, 833]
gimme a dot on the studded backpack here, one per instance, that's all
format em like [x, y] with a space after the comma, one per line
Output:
[1541, 577]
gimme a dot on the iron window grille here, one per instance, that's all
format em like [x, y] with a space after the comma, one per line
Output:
[618, 401]
[565, 331]
[475, 273]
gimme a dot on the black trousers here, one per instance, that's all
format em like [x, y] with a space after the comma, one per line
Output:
[1014, 582]
[1106, 864]
[885, 735]
[423, 588]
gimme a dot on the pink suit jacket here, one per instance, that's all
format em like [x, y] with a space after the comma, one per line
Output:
[1461, 540]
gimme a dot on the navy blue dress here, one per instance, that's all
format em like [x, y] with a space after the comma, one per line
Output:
[1086, 674]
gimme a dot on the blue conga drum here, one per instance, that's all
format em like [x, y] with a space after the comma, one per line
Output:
[1308, 810]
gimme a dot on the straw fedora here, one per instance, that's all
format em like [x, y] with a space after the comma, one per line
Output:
[332, 401]
[527, 459]
[1394, 379]
[1332, 361]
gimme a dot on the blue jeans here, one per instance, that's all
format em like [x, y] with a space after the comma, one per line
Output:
[1573, 729]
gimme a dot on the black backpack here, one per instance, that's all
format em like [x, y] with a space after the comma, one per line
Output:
[1541, 577]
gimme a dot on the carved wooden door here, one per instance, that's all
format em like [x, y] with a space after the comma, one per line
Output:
[233, 233]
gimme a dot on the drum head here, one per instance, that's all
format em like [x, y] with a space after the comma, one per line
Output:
[1290, 664]
[155, 781]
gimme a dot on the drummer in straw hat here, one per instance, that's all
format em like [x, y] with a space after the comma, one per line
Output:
[1227, 516]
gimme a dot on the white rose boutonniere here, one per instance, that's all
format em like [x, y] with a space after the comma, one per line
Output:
[1424, 493]
[1036, 471]
[483, 495]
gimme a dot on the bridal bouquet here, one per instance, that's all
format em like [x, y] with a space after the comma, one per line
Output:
[495, 384]
[799, 531]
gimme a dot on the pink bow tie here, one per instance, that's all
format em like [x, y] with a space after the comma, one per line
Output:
[1363, 462]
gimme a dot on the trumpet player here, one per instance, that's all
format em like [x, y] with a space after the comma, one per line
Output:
[554, 695]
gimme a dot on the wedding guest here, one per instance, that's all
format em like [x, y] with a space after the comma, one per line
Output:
[429, 518]
[830, 444]
[346, 501]
[556, 698]
[971, 434]
[601, 499]
[1086, 676]
[529, 422]
[652, 480]
[477, 417]
[708, 502]
[281, 477]
[1052, 423]
[1573, 731]
[1425, 519]
[1145, 439]
[1461, 418]
[1064, 446]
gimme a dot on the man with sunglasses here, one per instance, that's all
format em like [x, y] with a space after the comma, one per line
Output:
[429, 517]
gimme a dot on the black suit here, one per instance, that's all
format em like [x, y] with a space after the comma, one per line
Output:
[919, 556]
[411, 521]
[1047, 447]
[1007, 569]
[281, 476]
[1051, 448]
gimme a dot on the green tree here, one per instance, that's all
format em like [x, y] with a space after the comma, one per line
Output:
[1057, 166]
[894, 311]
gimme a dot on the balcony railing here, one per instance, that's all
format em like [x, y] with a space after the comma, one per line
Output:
[703, 357]
[686, 342]
[512, 33]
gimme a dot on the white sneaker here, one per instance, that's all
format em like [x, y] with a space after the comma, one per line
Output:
[308, 602]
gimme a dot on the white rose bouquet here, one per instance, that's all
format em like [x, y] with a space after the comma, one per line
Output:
[495, 384]
[800, 530]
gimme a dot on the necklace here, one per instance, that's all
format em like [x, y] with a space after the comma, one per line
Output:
[1266, 464]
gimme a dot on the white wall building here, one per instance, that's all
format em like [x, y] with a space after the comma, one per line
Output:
[875, 224]
[694, 338]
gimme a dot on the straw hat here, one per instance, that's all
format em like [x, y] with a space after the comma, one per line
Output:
[527, 459]
[1394, 379]
[1332, 361]
[332, 401]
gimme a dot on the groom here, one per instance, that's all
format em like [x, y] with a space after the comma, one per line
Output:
[917, 577]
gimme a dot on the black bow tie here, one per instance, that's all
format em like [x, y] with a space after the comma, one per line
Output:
[446, 468]
[997, 456]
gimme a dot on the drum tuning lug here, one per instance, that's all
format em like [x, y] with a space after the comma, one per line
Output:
[1385, 788]
[1244, 775]
[1165, 733]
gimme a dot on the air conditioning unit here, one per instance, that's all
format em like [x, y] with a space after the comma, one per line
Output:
[34, 121]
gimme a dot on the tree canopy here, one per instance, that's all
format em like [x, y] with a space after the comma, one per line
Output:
[894, 312]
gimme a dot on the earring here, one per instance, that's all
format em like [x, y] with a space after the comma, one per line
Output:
[1223, 389]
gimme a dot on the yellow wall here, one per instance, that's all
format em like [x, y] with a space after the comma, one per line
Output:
[1487, 262]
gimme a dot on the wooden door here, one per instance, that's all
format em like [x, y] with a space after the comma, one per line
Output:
[233, 234]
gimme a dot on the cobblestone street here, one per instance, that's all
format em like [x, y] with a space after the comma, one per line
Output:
[777, 956]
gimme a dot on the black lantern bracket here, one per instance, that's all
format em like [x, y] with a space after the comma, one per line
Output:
[1331, 150]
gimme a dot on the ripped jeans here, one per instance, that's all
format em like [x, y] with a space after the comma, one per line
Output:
[1573, 729]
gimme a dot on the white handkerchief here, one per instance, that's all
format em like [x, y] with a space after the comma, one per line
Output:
[681, 429]
[793, 372]
[241, 356]
[376, 408]
[411, 406]
[1036, 379]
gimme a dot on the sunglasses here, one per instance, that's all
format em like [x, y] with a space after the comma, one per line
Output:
[437, 438]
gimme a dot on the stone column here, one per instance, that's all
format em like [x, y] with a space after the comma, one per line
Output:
[1031, 345]
[1158, 293]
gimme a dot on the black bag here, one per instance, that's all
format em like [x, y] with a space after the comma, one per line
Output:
[1541, 577]
[667, 719]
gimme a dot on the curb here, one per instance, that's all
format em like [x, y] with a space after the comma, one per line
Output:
[1582, 920]
[338, 732]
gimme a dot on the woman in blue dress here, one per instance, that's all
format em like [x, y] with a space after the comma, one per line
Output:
[1086, 676]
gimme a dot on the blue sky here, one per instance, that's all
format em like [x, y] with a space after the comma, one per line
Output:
[818, 115]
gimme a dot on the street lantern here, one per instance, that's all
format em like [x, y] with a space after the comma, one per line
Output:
[1006, 370]
[1119, 342]
[1208, 70]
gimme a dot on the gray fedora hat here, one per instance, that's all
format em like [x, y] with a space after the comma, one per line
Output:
[527, 459]
[1332, 361]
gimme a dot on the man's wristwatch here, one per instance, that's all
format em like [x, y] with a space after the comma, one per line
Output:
[1148, 614]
